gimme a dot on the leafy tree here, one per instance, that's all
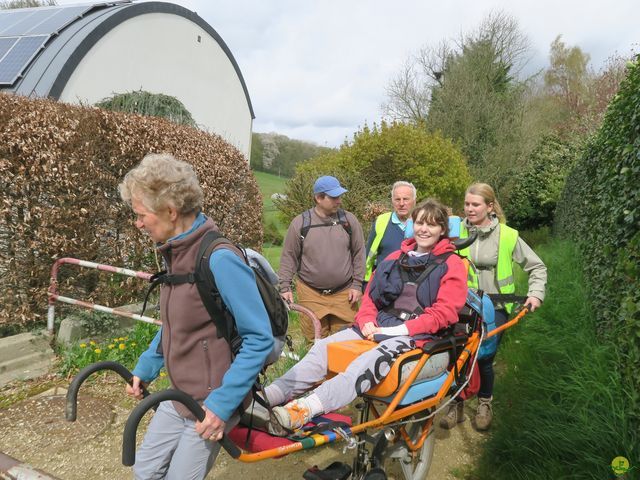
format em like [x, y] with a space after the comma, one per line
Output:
[151, 104]
[257, 152]
[279, 154]
[469, 91]
[374, 160]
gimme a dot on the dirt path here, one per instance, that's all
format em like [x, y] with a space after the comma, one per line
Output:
[34, 431]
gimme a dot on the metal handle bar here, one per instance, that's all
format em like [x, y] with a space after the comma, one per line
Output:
[129, 435]
[72, 393]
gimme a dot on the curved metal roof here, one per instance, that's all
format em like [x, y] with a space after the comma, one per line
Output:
[48, 70]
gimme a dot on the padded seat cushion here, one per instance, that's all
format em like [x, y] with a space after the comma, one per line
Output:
[341, 354]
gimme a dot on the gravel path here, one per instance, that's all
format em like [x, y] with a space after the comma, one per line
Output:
[34, 431]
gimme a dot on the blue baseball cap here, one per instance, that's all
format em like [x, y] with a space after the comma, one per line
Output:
[329, 185]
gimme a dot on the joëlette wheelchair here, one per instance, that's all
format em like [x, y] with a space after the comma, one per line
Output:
[395, 417]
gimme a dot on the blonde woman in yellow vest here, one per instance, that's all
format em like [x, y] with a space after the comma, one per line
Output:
[493, 253]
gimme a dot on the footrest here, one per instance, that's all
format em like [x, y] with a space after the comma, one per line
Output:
[256, 440]
[335, 471]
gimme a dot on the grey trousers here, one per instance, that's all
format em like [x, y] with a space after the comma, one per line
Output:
[172, 449]
[366, 371]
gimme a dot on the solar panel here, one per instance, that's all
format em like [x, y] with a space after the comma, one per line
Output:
[35, 17]
[8, 19]
[19, 56]
[24, 32]
[56, 22]
[6, 44]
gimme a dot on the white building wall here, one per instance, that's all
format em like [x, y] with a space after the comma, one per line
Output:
[160, 53]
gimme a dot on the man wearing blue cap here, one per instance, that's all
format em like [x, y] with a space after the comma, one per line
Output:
[324, 248]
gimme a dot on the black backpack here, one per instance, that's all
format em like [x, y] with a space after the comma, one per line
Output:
[269, 292]
[266, 281]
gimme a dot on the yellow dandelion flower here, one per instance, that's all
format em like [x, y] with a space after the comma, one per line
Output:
[111, 346]
[98, 351]
[122, 346]
[121, 339]
[163, 374]
[92, 343]
[83, 345]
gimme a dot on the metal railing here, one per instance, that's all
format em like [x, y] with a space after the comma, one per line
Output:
[55, 297]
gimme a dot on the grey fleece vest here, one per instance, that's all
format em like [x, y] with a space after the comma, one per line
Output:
[195, 358]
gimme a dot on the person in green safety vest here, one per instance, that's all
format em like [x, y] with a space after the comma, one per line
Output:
[493, 254]
[390, 228]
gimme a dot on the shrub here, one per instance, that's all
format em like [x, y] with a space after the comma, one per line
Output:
[533, 192]
[151, 104]
[59, 169]
[374, 160]
[272, 234]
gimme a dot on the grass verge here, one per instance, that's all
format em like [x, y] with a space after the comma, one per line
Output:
[560, 409]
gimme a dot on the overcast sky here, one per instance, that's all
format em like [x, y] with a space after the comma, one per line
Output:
[317, 69]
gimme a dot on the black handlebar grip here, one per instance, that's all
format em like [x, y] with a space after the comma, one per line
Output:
[130, 428]
[461, 243]
[72, 394]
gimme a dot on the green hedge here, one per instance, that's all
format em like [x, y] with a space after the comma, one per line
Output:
[600, 210]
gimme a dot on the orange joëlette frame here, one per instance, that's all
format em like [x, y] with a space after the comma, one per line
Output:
[392, 413]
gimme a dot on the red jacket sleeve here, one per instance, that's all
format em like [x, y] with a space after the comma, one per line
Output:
[452, 295]
[367, 311]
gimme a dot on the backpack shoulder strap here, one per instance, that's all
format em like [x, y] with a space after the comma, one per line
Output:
[306, 224]
[437, 261]
[206, 283]
[304, 230]
[342, 218]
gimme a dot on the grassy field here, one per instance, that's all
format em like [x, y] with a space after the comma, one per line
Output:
[270, 184]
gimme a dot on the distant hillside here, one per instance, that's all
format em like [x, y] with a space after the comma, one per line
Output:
[279, 154]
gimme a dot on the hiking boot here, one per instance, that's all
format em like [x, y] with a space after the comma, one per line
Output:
[293, 415]
[484, 414]
[454, 415]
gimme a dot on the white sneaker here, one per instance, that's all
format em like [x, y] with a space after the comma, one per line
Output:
[294, 415]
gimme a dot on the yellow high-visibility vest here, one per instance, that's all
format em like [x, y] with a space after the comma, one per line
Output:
[507, 240]
[381, 225]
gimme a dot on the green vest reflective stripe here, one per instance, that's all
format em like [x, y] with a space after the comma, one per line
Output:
[381, 225]
[507, 240]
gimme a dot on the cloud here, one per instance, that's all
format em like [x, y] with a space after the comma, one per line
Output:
[318, 70]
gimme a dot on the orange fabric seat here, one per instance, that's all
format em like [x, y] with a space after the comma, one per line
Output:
[341, 354]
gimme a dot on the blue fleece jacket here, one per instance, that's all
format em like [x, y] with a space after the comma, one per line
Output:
[237, 286]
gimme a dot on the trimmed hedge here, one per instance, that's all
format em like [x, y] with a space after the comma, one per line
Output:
[600, 210]
[59, 170]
